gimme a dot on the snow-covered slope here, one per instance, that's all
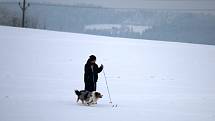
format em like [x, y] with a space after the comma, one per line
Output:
[149, 80]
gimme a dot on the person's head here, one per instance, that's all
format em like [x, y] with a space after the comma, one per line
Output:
[92, 59]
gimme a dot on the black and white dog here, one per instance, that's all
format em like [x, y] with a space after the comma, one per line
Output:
[87, 97]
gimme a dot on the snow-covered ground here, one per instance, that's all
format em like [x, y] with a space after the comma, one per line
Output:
[149, 80]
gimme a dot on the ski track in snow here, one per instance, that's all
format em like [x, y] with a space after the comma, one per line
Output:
[149, 80]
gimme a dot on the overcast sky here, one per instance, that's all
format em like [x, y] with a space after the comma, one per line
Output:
[166, 4]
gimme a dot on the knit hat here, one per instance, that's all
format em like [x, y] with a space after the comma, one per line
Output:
[92, 58]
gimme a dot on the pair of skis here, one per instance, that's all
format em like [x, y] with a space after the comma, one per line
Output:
[114, 105]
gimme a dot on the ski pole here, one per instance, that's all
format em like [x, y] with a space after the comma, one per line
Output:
[107, 86]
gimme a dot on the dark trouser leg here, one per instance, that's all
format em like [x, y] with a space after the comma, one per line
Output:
[90, 86]
[87, 86]
[95, 86]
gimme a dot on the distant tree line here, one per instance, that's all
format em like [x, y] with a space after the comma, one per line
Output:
[167, 25]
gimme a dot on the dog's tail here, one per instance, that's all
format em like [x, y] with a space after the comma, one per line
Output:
[78, 93]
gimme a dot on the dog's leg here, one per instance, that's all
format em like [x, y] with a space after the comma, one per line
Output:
[77, 100]
[94, 101]
[88, 104]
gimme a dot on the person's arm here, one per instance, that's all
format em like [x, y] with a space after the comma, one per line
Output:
[86, 71]
[99, 69]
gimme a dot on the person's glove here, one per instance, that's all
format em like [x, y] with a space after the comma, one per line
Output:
[102, 66]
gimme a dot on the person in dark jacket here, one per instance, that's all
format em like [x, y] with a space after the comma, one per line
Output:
[91, 71]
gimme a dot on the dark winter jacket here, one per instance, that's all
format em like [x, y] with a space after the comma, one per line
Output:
[91, 76]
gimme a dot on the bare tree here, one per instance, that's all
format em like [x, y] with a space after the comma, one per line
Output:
[24, 7]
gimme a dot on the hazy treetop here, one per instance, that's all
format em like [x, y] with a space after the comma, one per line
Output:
[160, 4]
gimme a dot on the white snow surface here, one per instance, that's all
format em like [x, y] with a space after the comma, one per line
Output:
[149, 80]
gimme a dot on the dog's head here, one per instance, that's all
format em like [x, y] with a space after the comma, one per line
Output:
[98, 95]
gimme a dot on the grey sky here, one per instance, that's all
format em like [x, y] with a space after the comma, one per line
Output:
[195, 4]
[166, 4]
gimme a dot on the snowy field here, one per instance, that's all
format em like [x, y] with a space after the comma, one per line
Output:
[149, 80]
